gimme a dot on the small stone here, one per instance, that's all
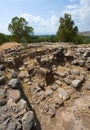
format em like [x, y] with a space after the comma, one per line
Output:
[3, 110]
[60, 74]
[58, 82]
[14, 94]
[41, 85]
[82, 78]
[88, 87]
[35, 89]
[58, 103]
[67, 81]
[87, 64]
[46, 108]
[18, 125]
[14, 75]
[5, 122]
[15, 109]
[75, 62]
[63, 94]
[49, 92]
[2, 80]
[2, 73]
[42, 97]
[81, 62]
[11, 103]
[75, 72]
[87, 53]
[26, 80]
[13, 83]
[3, 93]
[28, 120]
[54, 87]
[52, 112]
[12, 126]
[22, 104]
[2, 68]
[76, 83]
[3, 102]
[23, 74]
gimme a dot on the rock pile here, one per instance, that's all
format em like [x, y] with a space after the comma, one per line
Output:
[15, 113]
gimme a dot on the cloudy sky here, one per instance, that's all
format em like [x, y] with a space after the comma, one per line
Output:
[44, 15]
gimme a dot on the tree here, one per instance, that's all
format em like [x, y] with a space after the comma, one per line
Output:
[3, 38]
[20, 30]
[67, 32]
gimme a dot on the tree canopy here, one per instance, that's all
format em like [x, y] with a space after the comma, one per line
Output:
[67, 31]
[20, 30]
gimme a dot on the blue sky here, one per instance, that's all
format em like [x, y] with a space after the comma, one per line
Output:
[44, 15]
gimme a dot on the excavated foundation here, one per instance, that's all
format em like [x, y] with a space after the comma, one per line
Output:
[54, 81]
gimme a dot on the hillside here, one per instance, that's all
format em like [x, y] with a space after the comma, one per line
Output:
[86, 33]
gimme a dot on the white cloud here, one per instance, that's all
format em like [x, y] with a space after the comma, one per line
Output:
[80, 13]
[72, 0]
[42, 25]
[72, 6]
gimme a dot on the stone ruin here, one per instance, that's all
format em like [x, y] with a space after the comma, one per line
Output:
[46, 86]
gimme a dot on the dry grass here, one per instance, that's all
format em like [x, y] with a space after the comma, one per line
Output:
[8, 45]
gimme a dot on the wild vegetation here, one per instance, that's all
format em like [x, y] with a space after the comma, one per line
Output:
[23, 33]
